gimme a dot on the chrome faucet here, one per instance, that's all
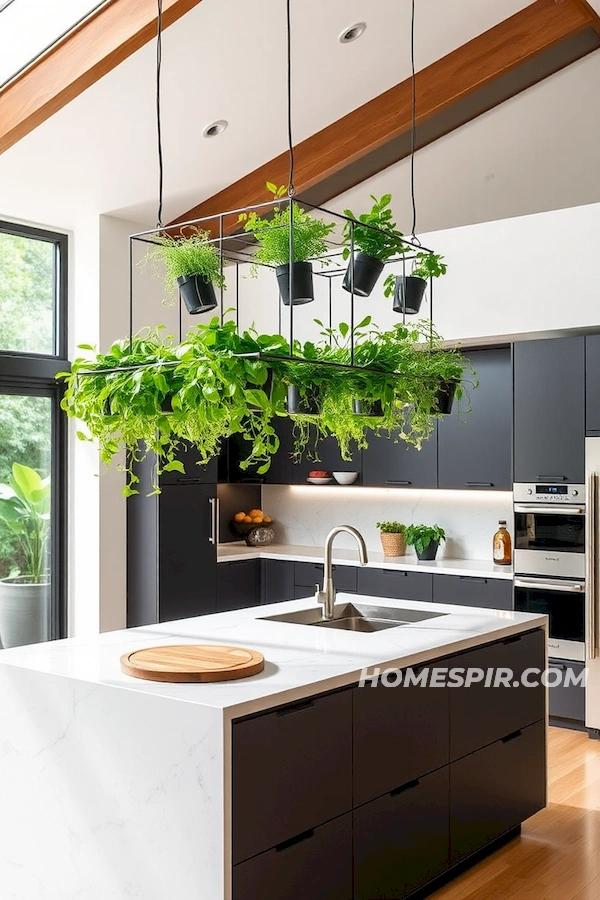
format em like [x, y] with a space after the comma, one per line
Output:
[327, 595]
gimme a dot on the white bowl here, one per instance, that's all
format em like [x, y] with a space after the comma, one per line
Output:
[345, 477]
[320, 480]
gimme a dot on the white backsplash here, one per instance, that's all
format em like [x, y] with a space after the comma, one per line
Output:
[304, 515]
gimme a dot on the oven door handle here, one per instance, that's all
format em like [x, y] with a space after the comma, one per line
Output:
[555, 510]
[568, 587]
[591, 624]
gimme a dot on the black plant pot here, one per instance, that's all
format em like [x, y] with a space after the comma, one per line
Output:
[408, 294]
[429, 552]
[302, 287]
[197, 294]
[444, 397]
[367, 408]
[367, 270]
[299, 407]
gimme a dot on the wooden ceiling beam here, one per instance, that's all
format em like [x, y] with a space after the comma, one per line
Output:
[539, 40]
[81, 58]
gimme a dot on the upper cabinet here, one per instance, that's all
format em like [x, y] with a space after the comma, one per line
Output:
[393, 463]
[474, 448]
[592, 385]
[329, 460]
[549, 410]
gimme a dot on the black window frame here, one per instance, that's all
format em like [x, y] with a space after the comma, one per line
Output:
[34, 374]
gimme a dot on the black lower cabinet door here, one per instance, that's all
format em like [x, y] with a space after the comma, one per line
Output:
[187, 555]
[238, 584]
[291, 771]
[276, 580]
[486, 593]
[566, 699]
[314, 865]
[401, 840]
[395, 585]
[495, 789]
[391, 463]
[309, 574]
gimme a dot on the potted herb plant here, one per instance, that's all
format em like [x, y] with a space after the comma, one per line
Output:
[191, 263]
[272, 234]
[392, 538]
[25, 594]
[408, 290]
[425, 539]
[374, 243]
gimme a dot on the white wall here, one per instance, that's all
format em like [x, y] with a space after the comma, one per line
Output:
[304, 515]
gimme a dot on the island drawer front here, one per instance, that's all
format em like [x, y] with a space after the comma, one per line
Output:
[317, 865]
[291, 771]
[400, 733]
[486, 593]
[496, 788]
[395, 585]
[480, 715]
[401, 840]
[310, 574]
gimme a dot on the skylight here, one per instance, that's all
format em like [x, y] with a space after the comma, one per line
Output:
[28, 27]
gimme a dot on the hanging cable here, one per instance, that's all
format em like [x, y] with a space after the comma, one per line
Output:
[159, 216]
[413, 129]
[291, 189]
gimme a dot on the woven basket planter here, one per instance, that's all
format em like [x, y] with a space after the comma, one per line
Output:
[393, 544]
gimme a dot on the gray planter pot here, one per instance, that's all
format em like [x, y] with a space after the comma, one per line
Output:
[24, 612]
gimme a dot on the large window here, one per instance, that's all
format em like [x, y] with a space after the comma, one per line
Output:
[33, 336]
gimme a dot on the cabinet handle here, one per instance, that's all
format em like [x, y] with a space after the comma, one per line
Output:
[295, 840]
[472, 579]
[561, 666]
[511, 737]
[479, 483]
[214, 516]
[552, 478]
[259, 479]
[390, 481]
[295, 707]
[392, 572]
[189, 481]
[512, 640]
[405, 787]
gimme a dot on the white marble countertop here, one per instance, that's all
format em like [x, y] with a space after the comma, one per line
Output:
[475, 568]
[299, 660]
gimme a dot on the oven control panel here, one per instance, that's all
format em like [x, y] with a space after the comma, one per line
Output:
[549, 493]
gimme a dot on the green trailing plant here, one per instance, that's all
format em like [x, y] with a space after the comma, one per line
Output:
[391, 527]
[425, 265]
[186, 255]
[272, 233]
[382, 240]
[25, 509]
[421, 536]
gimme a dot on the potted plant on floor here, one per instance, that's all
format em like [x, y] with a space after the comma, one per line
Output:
[374, 243]
[25, 594]
[392, 538]
[273, 237]
[191, 263]
[425, 539]
[408, 290]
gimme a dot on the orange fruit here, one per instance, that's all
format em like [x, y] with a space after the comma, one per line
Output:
[267, 520]
[239, 517]
[257, 519]
[255, 512]
[246, 519]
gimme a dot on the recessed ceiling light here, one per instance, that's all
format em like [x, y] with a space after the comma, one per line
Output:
[352, 33]
[215, 128]
[489, 177]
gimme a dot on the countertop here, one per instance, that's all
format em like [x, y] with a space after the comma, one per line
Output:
[474, 568]
[300, 660]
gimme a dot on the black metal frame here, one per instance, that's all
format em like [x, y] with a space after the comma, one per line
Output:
[34, 374]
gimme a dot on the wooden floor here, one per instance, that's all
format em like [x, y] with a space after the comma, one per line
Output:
[557, 856]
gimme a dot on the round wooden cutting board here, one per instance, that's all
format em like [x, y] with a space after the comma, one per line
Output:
[192, 662]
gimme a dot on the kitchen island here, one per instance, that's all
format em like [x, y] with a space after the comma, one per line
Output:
[294, 783]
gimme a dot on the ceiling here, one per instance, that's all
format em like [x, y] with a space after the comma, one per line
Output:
[226, 59]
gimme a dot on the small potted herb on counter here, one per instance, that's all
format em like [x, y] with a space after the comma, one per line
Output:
[392, 538]
[373, 245]
[425, 539]
[408, 290]
[193, 264]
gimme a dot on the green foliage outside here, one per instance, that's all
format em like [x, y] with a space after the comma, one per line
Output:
[25, 510]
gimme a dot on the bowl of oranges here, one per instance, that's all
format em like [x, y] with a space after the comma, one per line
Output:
[244, 523]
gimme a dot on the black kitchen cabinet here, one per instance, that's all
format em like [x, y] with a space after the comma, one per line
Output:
[307, 575]
[487, 593]
[329, 460]
[276, 580]
[549, 410]
[567, 700]
[238, 584]
[495, 789]
[592, 385]
[401, 840]
[314, 865]
[394, 584]
[390, 463]
[211, 473]
[273, 755]
[474, 448]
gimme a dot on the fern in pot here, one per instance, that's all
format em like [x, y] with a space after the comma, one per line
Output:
[273, 237]
[25, 594]
[392, 538]
[375, 241]
[408, 290]
[193, 264]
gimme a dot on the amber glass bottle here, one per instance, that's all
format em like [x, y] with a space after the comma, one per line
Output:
[502, 545]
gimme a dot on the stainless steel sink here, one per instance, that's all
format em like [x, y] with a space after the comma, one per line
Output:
[357, 617]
